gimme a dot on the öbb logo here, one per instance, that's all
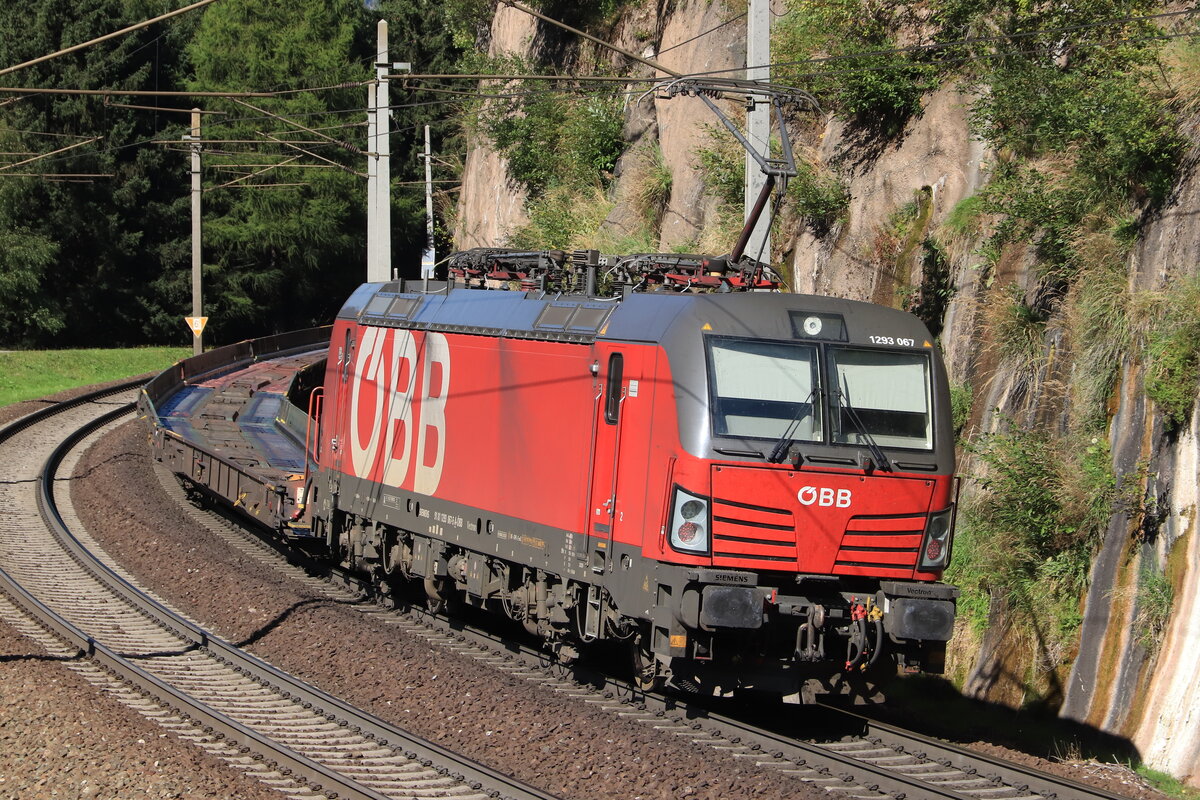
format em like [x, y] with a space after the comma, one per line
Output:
[823, 496]
[388, 405]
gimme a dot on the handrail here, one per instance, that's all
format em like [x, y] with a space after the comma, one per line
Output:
[312, 430]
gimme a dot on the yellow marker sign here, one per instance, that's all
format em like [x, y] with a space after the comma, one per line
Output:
[706, 327]
[196, 324]
[927, 344]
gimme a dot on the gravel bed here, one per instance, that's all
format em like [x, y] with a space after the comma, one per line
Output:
[557, 744]
[62, 737]
[76, 734]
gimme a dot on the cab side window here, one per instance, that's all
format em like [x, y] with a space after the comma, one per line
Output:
[612, 389]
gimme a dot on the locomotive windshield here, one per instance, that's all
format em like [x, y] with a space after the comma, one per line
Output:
[771, 389]
[760, 389]
[881, 395]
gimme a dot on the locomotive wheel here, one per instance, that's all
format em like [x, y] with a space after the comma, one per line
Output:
[392, 558]
[436, 599]
[646, 675]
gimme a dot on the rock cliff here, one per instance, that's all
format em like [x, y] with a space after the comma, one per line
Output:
[1114, 680]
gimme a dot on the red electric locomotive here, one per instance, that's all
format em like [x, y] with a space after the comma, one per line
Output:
[751, 489]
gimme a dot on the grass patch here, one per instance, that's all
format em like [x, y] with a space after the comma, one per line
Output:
[1014, 327]
[1173, 351]
[1182, 62]
[1155, 602]
[30, 374]
[965, 220]
[1026, 541]
[566, 218]
[722, 164]
[818, 196]
[1098, 315]
[653, 189]
[961, 400]
[1167, 784]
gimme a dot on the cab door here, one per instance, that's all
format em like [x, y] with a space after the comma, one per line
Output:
[614, 381]
[339, 432]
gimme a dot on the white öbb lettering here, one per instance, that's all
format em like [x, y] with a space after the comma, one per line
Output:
[823, 496]
[385, 377]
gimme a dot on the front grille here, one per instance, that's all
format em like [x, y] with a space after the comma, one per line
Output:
[742, 531]
[881, 546]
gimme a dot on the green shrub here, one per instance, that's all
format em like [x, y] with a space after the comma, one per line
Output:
[818, 197]
[1043, 508]
[961, 400]
[970, 563]
[858, 72]
[723, 166]
[1174, 371]
[1124, 139]
[565, 218]
[1155, 602]
[1173, 352]
[553, 139]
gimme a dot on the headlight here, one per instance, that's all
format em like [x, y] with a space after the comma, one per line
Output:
[935, 547]
[689, 522]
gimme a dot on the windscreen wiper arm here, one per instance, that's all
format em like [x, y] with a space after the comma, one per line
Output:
[876, 451]
[785, 441]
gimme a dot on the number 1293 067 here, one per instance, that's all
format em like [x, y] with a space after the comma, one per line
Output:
[896, 340]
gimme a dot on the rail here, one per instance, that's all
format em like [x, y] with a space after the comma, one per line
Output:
[224, 727]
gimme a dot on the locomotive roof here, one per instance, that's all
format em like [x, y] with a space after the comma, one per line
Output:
[641, 317]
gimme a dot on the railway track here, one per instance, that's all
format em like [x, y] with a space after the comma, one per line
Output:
[291, 736]
[878, 760]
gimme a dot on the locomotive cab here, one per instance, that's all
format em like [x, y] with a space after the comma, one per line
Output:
[813, 496]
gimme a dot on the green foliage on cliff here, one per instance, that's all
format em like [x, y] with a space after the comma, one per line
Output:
[846, 53]
[1027, 539]
[552, 139]
[1155, 598]
[817, 196]
[1173, 351]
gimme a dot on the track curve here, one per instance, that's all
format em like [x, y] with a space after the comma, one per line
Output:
[303, 742]
[879, 761]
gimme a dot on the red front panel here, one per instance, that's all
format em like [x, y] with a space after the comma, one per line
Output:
[821, 522]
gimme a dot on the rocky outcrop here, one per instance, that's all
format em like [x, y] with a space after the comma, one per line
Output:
[682, 120]
[491, 205]
[1115, 685]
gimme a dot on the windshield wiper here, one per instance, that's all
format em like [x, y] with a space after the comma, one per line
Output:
[785, 441]
[877, 453]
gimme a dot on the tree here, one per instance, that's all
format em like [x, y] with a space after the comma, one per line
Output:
[86, 252]
[283, 250]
